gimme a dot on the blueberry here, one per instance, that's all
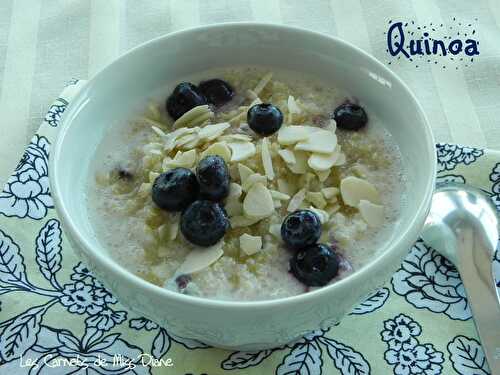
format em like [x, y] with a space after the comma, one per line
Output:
[350, 116]
[217, 91]
[315, 265]
[300, 229]
[185, 96]
[213, 177]
[204, 223]
[176, 189]
[264, 119]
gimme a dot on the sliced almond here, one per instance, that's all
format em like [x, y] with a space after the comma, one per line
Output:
[233, 207]
[372, 213]
[296, 200]
[300, 165]
[173, 227]
[158, 131]
[210, 132]
[258, 202]
[316, 198]
[199, 259]
[267, 162]
[285, 187]
[279, 195]
[250, 244]
[243, 221]
[330, 192]
[320, 141]
[323, 175]
[185, 139]
[235, 190]
[289, 135]
[183, 159]
[235, 137]
[322, 162]
[190, 115]
[220, 148]
[241, 150]
[244, 172]
[287, 156]
[252, 180]
[354, 189]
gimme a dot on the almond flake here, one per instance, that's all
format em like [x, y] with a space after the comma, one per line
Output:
[199, 259]
[235, 190]
[185, 139]
[289, 135]
[322, 162]
[183, 159]
[279, 195]
[233, 207]
[190, 115]
[220, 148]
[300, 165]
[158, 131]
[354, 189]
[252, 180]
[285, 187]
[321, 141]
[241, 150]
[258, 202]
[267, 162]
[296, 200]
[372, 213]
[323, 175]
[243, 221]
[316, 198]
[287, 156]
[331, 125]
[250, 244]
[236, 137]
[244, 172]
[330, 192]
[210, 132]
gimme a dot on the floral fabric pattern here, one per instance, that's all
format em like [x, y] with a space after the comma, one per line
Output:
[57, 318]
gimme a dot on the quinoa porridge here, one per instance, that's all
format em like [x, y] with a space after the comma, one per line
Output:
[255, 185]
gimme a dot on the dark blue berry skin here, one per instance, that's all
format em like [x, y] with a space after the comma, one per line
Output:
[213, 177]
[204, 223]
[264, 119]
[315, 265]
[185, 97]
[175, 190]
[350, 116]
[217, 91]
[300, 229]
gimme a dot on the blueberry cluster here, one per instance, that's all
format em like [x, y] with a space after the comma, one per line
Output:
[313, 264]
[203, 221]
[186, 96]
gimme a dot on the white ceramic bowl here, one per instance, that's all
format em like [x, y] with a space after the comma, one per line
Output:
[128, 82]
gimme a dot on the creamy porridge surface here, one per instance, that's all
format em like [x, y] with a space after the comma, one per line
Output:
[356, 190]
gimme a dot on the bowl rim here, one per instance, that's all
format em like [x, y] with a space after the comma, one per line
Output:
[119, 271]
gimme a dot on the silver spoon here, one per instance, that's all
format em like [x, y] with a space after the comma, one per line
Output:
[464, 227]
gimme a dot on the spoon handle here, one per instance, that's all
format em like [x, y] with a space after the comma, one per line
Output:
[476, 273]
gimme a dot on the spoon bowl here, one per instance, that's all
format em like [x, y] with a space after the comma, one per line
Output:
[464, 227]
